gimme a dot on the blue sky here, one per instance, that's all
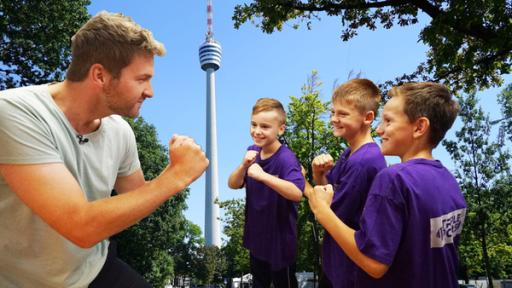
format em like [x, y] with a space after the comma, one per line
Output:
[256, 65]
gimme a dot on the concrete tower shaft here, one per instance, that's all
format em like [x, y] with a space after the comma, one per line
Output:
[209, 57]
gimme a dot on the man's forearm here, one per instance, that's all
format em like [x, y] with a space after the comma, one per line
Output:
[103, 218]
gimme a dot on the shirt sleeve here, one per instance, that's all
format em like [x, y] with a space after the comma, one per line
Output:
[25, 138]
[382, 220]
[130, 161]
[292, 172]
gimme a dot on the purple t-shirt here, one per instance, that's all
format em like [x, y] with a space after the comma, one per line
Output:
[412, 222]
[270, 230]
[351, 178]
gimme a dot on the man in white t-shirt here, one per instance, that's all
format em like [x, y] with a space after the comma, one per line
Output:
[64, 147]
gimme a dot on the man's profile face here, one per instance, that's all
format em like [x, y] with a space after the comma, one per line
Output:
[124, 96]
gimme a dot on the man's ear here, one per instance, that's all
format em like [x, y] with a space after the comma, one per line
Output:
[421, 127]
[98, 74]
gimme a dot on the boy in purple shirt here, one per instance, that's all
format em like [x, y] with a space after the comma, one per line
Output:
[274, 183]
[413, 217]
[354, 106]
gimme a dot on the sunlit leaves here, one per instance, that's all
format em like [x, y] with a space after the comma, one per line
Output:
[470, 41]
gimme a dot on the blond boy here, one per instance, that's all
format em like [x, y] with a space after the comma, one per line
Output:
[413, 217]
[354, 106]
[273, 180]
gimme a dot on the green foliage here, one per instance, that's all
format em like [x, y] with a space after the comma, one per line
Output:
[237, 257]
[500, 238]
[308, 129]
[210, 266]
[470, 41]
[483, 173]
[152, 155]
[149, 245]
[505, 100]
[309, 134]
[185, 253]
[36, 39]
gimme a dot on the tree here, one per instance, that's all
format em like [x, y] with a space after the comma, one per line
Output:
[147, 245]
[470, 41]
[308, 134]
[505, 100]
[210, 266]
[482, 169]
[35, 39]
[186, 252]
[237, 257]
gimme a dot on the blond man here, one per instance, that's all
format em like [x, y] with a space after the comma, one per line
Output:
[65, 147]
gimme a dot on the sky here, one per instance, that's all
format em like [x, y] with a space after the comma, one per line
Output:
[255, 65]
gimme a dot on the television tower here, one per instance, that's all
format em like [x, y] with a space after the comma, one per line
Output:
[209, 57]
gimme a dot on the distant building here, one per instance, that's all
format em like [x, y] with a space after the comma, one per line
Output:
[304, 279]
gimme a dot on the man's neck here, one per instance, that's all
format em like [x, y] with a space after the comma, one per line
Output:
[79, 104]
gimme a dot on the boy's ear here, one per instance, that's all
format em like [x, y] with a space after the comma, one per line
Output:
[281, 129]
[369, 117]
[421, 127]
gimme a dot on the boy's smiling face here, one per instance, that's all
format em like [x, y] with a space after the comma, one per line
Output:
[347, 122]
[395, 129]
[266, 126]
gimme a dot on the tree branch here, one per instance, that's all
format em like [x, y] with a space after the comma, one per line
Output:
[489, 59]
[476, 31]
[341, 6]
[472, 29]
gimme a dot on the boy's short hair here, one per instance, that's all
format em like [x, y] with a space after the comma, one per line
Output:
[363, 93]
[430, 100]
[112, 40]
[270, 104]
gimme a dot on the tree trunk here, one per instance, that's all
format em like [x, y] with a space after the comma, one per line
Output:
[485, 254]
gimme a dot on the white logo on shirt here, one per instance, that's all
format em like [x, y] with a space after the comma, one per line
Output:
[444, 228]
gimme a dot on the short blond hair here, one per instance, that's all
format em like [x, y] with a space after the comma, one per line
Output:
[112, 40]
[363, 93]
[270, 104]
[431, 100]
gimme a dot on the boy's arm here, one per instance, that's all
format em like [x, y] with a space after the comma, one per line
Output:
[320, 179]
[285, 188]
[320, 199]
[236, 179]
[320, 166]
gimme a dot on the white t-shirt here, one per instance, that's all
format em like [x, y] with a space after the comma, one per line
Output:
[34, 130]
